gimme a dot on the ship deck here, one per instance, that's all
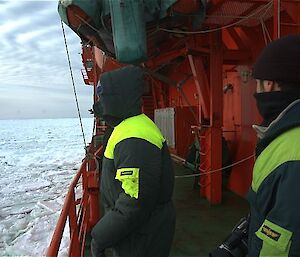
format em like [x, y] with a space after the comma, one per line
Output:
[200, 227]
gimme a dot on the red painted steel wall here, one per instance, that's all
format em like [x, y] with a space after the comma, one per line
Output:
[184, 120]
[240, 114]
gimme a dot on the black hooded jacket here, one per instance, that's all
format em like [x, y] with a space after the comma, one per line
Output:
[137, 176]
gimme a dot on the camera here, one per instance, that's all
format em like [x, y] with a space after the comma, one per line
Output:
[235, 245]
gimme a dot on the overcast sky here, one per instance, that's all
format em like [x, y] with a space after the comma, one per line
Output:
[34, 74]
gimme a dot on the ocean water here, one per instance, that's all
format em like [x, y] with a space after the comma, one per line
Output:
[38, 159]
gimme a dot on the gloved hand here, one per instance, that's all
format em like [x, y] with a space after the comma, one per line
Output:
[96, 252]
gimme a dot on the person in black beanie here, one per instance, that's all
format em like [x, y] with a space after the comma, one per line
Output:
[274, 228]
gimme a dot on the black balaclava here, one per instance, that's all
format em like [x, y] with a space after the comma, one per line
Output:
[271, 104]
[110, 120]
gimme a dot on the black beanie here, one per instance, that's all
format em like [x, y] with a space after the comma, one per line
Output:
[280, 61]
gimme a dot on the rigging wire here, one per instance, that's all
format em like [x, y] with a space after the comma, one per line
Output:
[216, 170]
[241, 19]
[267, 6]
[189, 105]
[264, 27]
[264, 32]
[74, 88]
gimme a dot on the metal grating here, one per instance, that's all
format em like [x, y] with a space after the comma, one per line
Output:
[244, 13]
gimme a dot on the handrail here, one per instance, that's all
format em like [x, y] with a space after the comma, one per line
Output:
[81, 221]
[59, 229]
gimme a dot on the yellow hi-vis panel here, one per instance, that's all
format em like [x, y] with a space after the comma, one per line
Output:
[139, 126]
[129, 177]
[271, 158]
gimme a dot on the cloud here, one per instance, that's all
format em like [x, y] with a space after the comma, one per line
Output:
[34, 64]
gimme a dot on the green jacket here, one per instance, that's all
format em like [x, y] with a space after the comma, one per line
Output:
[274, 229]
[137, 176]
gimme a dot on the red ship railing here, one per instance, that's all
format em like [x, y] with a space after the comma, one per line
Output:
[82, 213]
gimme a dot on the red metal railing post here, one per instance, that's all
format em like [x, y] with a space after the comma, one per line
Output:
[93, 192]
[77, 238]
[75, 244]
[59, 229]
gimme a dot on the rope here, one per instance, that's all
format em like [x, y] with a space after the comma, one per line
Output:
[264, 27]
[216, 170]
[74, 89]
[267, 32]
[267, 6]
[264, 32]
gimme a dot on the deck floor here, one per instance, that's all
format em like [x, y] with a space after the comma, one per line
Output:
[200, 227]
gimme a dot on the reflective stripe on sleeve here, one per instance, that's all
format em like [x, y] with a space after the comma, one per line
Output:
[129, 177]
[276, 240]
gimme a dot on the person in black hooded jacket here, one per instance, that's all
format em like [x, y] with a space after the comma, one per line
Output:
[137, 176]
